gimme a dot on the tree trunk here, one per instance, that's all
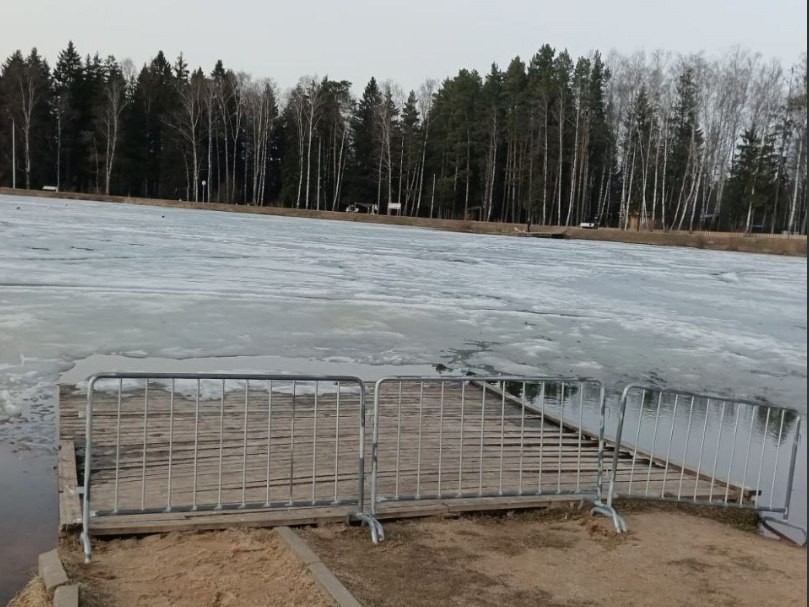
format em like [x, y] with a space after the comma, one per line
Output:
[545, 169]
[432, 198]
[319, 142]
[575, 164]
[339, 171]
[797, 178]
[560, 160]
[309, 155]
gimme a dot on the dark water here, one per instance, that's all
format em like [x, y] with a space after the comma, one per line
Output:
[29, 523]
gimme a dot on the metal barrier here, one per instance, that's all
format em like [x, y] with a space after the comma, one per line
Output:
[194, 442]
[703, 449]
[186, 442]
[465, 437]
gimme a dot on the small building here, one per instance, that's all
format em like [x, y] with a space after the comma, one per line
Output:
[640, 224]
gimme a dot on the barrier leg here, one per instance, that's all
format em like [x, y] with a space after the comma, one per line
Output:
[610, 512]
[377, 532]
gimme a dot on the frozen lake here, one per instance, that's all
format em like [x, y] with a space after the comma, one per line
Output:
[91, 283]
[79, 279]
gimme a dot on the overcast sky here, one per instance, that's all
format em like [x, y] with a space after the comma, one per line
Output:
[405, 41]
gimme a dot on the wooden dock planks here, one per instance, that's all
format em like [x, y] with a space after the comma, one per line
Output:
[437, 444]
[69, 503]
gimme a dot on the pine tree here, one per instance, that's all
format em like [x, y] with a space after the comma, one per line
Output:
[686, 145]
[409, 161]
[601, 148]
[563, 67]
[752, 184]
[364, 148]
[541, 77]
[68, 76]
[491, 113]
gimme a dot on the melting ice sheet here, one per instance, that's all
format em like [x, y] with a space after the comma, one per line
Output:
[79, 279]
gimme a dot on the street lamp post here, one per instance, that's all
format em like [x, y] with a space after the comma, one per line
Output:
[203, 190]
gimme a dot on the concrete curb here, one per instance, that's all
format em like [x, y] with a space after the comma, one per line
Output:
[66, 596]
[51, 571]
[320, 572]
[56, 582]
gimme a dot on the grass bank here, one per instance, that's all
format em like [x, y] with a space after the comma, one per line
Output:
[720, 241]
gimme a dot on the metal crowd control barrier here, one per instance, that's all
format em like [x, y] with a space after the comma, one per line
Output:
[190, 442]
[186, 442]
[477, 437]
[703, 449]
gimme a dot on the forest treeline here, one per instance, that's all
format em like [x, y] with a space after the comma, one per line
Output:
[670, 141]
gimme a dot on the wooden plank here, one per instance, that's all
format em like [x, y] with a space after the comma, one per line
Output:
[157, 523]
[69, 503]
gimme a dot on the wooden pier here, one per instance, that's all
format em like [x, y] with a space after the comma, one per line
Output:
[544, 234]
[437, 445]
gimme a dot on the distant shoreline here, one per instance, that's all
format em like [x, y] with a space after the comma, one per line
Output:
[772, 244]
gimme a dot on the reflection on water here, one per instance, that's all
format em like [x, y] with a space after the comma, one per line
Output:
[774, 423]
[28, 525]
[549, 391]
[779, 426]
[752, 445]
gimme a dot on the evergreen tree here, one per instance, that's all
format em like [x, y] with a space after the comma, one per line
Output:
[752, 184]
[26, 88]
[601, 142]
[686, 144]
[365, 148]
[68, 76]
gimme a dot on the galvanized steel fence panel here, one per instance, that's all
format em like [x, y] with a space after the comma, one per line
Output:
[166, 442]
[173, 442]
[702, 449]
[463, 437]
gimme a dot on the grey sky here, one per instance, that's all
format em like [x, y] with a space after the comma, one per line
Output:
[405, 41]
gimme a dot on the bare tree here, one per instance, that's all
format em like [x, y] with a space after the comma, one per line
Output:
[385, 116]
[28, 82]
[296, 105]
[314, 100]
[426, 94]
[187, 122]
[261, 112]
[113, 100]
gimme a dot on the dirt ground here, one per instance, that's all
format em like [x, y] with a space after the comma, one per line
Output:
[672, 556]
[213, 569]
[565, 559]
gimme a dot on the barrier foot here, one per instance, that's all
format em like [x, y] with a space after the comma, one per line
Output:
[85, 543]
[766, 522]
[608, 511]
[377, 532]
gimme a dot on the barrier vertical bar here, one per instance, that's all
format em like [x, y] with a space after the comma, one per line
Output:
[171, 444]
[221, 447]
[269, 439]
[117, 444]
[337, 447]
[314, 447]
[244, 442]
[145, 430]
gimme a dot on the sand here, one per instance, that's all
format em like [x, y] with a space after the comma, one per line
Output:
[549, 558]
[214, 569]
[669, 558]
